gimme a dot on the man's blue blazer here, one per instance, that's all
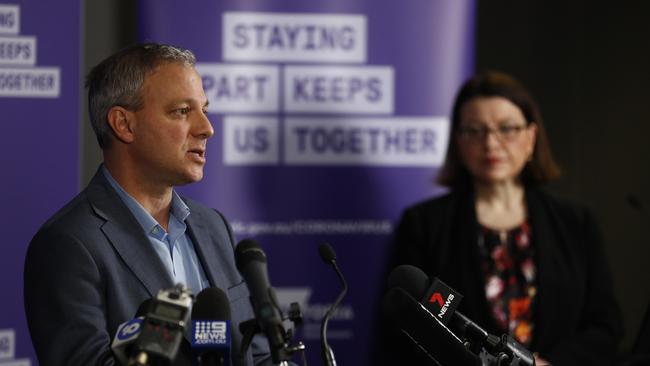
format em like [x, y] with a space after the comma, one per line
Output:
[91, 265]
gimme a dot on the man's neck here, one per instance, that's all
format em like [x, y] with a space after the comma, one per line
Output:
[155, 198]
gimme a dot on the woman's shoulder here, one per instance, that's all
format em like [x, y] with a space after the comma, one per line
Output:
[567, 208]
[441, 208]
[433, 204]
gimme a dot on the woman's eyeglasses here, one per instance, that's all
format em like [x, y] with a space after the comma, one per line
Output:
[503, 132]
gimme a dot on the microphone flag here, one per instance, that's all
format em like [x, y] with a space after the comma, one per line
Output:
[441, 300]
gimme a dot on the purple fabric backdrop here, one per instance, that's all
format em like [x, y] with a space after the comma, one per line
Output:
[39, 98]
[330, 118]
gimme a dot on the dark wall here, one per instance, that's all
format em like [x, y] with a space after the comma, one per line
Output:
[586, 64]
[109, 25]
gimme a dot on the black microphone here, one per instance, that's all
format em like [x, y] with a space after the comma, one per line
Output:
[425, 330]
[211, 328]
[328, 256]
[251, 263]
[441, 301]
[128, 332]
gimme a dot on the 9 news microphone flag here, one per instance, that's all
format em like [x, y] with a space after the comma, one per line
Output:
[211, 328]
[330, 117]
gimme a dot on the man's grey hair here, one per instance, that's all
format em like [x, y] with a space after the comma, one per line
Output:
[118, 80]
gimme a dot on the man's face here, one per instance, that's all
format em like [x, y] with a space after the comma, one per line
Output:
[171, 129]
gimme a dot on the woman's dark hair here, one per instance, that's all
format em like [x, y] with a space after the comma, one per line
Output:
[540, 169]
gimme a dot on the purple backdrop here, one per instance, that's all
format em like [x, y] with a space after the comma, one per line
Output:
[39, 98]
[330, 118]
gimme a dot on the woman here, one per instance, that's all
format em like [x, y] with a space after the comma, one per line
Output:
[529, 264]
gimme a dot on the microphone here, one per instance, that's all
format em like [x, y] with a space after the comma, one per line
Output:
[439, 299]
[442, 301]
[251, 263]
[328, 256]
[211, 332]
[425, 330]
[128, 332]
[156, 337]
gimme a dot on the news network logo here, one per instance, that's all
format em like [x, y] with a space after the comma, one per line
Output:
[444, 305]
[210, 332]
[129, 329]
[441, 300]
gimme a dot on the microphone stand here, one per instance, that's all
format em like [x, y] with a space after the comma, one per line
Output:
[328, 255]
[251, 327]
[505, 351]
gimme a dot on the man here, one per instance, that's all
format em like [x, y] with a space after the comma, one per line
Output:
[128, 234]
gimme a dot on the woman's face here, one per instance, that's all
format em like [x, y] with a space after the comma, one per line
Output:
[494, 140]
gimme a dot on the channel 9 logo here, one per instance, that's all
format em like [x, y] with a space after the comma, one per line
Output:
[210, 332]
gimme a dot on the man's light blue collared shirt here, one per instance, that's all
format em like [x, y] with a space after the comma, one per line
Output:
[175, 248]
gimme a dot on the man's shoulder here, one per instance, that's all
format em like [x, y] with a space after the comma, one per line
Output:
[72, 227]
[195, 205]
[202, 210]
[209, 218]
[79, 210]
[72, 215]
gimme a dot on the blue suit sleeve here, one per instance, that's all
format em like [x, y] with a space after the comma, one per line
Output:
[64, 303]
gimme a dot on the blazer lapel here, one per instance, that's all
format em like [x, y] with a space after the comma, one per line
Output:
[469, 261]
[542, 238]
[206, 249]
[126, 236]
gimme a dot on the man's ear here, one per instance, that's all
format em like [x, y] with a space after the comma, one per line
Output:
[121, 122]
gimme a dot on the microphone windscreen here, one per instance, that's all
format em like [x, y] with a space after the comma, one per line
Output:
[211, 332]
[246, 251]
[427, 332]
[211, 304]
[409, 278]
[327, 253]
